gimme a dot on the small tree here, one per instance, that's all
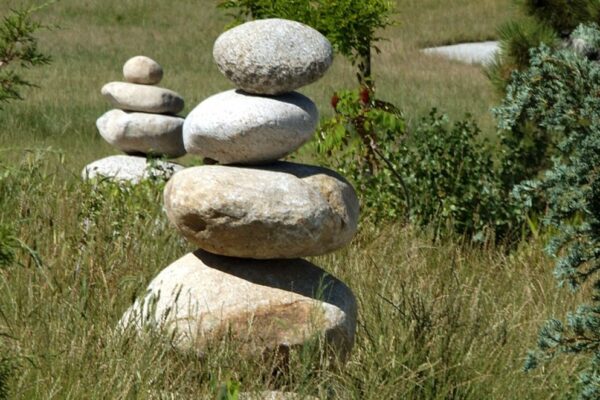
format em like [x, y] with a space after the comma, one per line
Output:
[18, 49]
[350, 25]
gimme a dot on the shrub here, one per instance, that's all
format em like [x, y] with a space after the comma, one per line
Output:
[548, 22]
[558, 96]
[563, 15]
[542, 105]
[440, 174]
[516, 39]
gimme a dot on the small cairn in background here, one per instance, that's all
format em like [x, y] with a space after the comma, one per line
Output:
[254, 217]
[144, 125]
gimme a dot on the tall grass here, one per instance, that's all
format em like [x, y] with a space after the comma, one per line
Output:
[436, 320]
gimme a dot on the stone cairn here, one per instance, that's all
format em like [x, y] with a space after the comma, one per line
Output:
[143, 124]
[253, 217]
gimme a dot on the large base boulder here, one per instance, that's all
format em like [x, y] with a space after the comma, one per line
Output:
[268, 306]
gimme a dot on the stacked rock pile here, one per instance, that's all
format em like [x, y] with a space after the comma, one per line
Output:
[254, 220]
[143, 124]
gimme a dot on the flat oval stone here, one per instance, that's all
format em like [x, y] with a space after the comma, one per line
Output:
[143, 70]
[235, 127]
[265, 306]
[133, 133]
[129, 169]
[272, 56]
[143, 98]
[283, 210]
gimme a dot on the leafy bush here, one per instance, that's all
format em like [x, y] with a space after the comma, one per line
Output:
[440, 174]
[558, 98]
[350, 25]
[18, 49]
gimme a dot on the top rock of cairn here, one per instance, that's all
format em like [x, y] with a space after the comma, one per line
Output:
[272, 56]
[143, 70]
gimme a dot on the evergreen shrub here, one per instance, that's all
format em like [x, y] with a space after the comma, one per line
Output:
[18, 50]
[559, 98]
[549, 22]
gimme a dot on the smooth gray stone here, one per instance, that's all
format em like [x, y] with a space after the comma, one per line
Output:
[272, 56]
[143, 98]
[234, 127]
[143, 70]
[134, 132]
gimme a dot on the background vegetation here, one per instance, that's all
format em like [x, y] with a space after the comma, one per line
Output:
[439, 316]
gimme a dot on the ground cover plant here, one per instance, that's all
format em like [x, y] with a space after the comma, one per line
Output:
[440, 317]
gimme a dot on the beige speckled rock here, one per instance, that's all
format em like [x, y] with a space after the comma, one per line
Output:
[143, 70]
[267, 305]
[234, 127]
[272, 56]
[142, 98]
[282, 210]
[271, 395]
[134, 132]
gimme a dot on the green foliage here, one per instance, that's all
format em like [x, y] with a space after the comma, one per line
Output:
[229, 391]
[8, 246]
[548, 22]
[6, 371]
[516, 39]
[559, 96]
[18, 49]
[350, 25]
[542, 105]
[440, 174]
[585, 40]
[359, 141]
[563, 15]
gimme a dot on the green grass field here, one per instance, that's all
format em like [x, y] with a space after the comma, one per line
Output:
[437, 319]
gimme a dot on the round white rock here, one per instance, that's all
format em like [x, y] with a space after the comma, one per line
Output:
[142, 69]
[133, 132]
[272, 56]
[235, 127]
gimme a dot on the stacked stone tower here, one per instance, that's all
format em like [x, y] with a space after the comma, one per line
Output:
[254, 217]
[143, 124]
